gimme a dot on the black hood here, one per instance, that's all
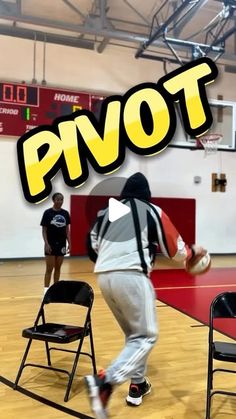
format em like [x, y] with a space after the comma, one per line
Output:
[136, 186]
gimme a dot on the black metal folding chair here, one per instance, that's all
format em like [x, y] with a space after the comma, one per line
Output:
[66, 292]
[223, 306]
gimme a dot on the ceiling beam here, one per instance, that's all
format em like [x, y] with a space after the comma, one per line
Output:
[50, 38]
[87, 29]
[104, 24]
[136, 11]
[75, 9]
[103, 13]
[161, 28]
[181, 23]
[91, 27]
[78, 42]
[10, 8]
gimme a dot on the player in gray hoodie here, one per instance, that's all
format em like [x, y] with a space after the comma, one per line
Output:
[124, 251]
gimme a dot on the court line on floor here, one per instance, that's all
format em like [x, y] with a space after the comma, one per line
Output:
[41, 399]
[42, 274]
[21, 297]
[196, 286]
[198, 325]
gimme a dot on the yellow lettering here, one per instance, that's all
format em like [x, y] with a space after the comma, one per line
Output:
[188, 87]
[104, 150]
[68, 135]
[36, 169]
[144, 119]
[160, 116]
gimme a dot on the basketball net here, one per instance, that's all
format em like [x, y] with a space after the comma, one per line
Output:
[209, 143]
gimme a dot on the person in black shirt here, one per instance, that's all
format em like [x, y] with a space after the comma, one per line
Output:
[56, 235]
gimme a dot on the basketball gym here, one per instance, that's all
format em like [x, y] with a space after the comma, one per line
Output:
[68, 56]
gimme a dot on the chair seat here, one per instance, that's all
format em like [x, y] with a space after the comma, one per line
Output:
[224, 351]
[53, 332]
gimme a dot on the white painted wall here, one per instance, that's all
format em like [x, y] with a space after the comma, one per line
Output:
[170, 173]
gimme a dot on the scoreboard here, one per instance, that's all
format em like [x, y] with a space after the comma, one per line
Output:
[24, 107]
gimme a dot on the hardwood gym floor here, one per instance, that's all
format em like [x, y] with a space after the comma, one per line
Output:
[177, 365]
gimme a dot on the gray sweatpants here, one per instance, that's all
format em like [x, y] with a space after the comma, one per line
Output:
[131, 298]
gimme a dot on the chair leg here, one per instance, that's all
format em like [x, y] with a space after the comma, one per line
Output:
[209, 387]
[208, 405]
[92, 351]
[48, 354]
[71, 376]
[22, 364]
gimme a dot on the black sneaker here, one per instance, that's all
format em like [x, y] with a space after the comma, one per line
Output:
[137, 392]
[99, 393]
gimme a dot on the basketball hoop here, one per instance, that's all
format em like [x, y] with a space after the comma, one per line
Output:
[209, 142]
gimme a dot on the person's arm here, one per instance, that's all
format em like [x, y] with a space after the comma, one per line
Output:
[92, 237]
[68, 238]
[45, 238]
[172, 244]
[92, 244]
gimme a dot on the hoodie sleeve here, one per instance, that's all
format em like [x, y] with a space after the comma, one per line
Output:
[170, 241]
[92, 244]
[92, 237]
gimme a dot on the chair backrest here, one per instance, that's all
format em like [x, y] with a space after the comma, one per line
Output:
[72, 292]
[224, 305]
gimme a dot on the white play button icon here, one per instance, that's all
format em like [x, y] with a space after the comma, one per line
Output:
[117, 209]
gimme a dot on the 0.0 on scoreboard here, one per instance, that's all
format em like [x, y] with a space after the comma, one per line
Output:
[19, 94]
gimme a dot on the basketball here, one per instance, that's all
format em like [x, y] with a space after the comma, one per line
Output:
[198, 265]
